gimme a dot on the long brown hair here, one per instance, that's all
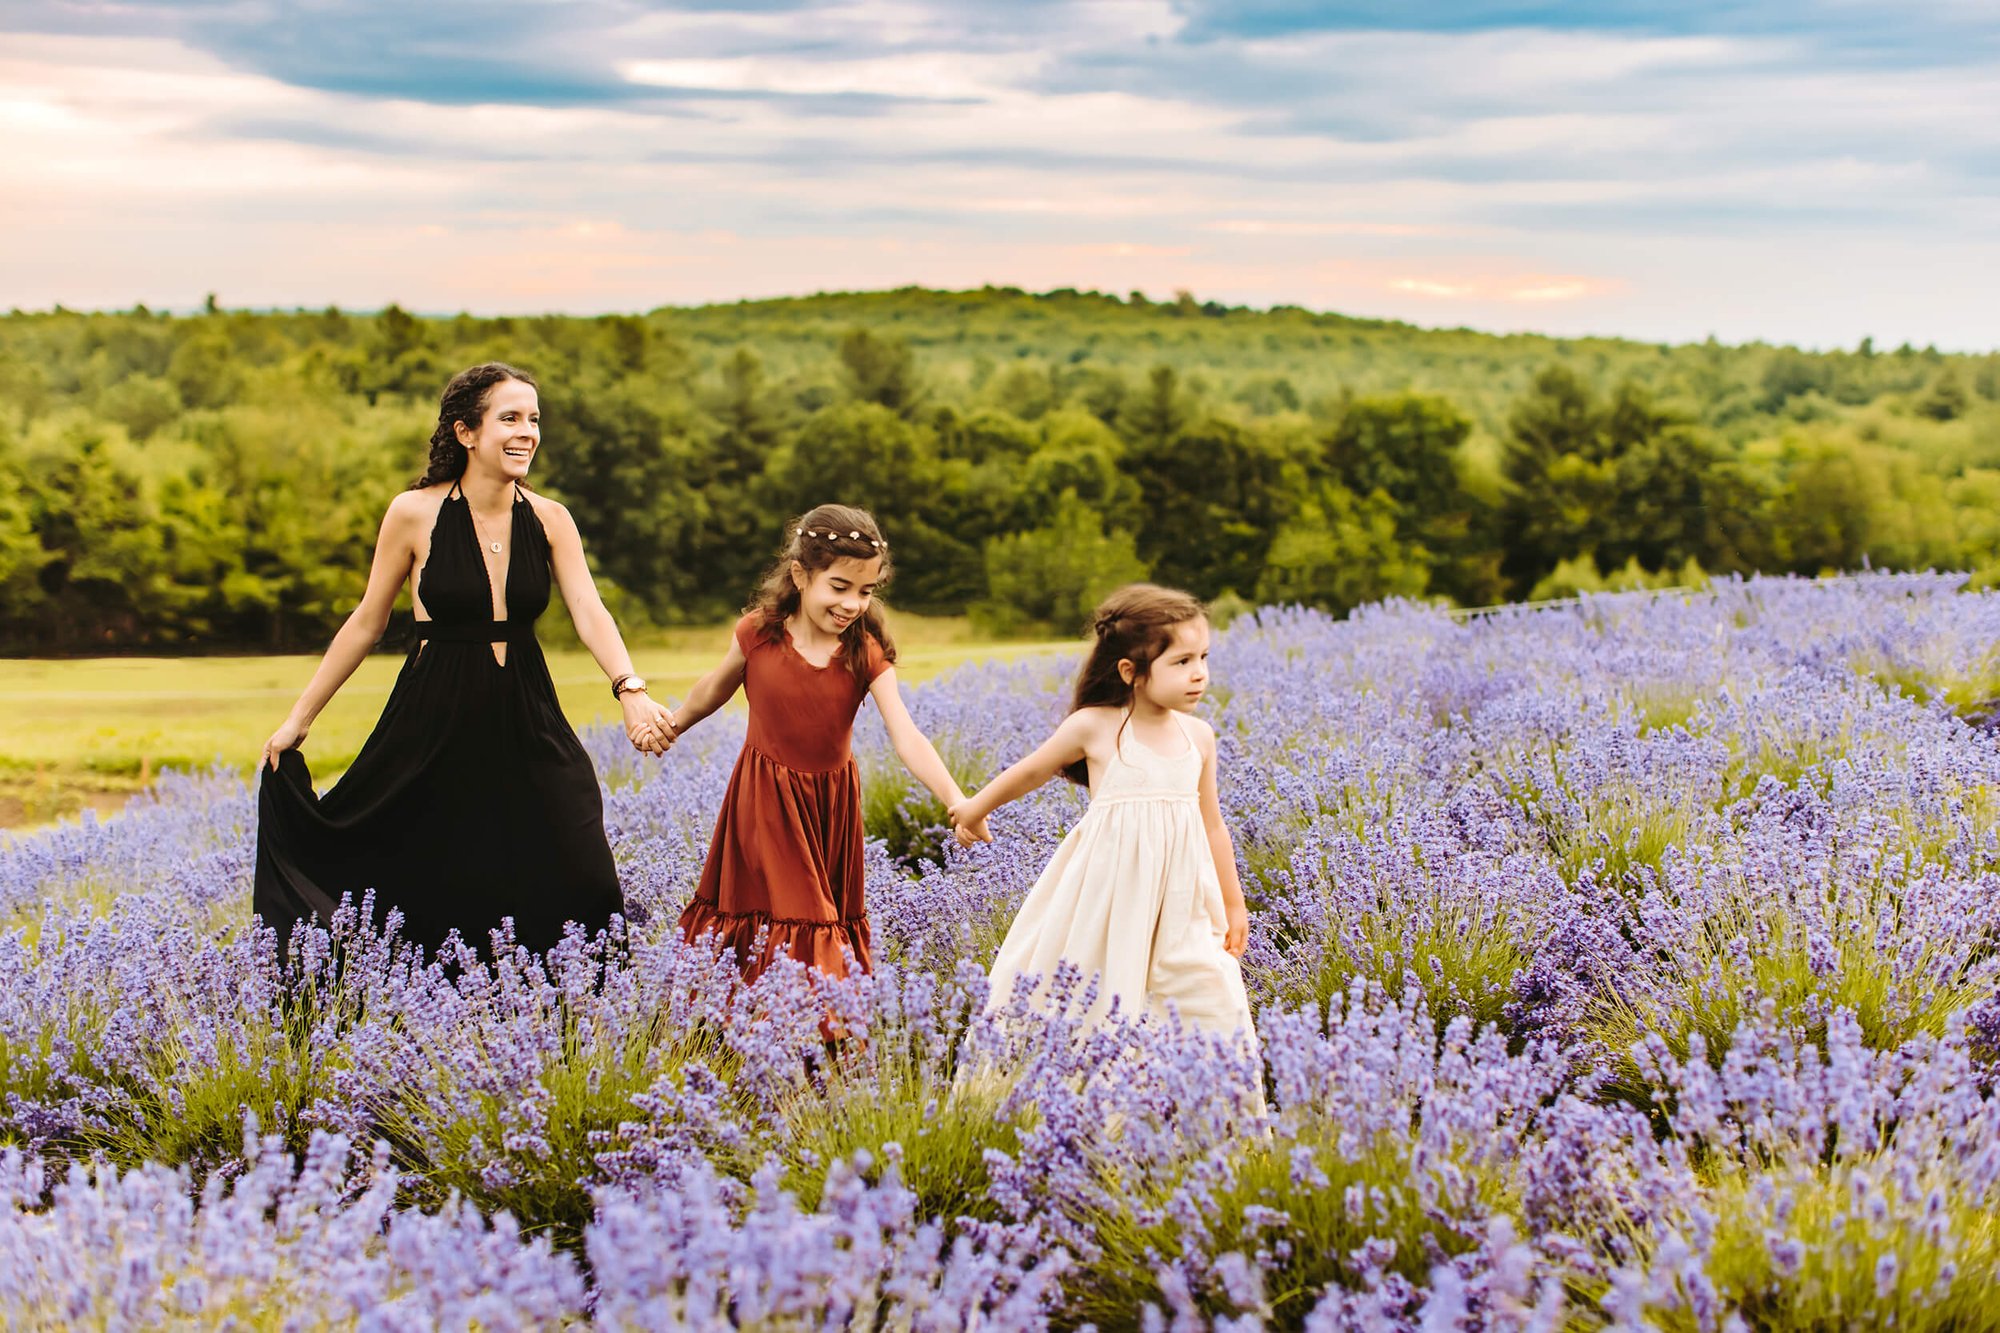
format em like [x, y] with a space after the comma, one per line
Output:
[821, 536]
[1135, 624]
[464, 399]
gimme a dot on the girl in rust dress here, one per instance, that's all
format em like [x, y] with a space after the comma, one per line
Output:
[784, 872]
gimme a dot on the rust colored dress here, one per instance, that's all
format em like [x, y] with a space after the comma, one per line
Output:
[786, 857]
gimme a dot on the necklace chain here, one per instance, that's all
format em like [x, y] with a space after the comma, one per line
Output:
[481, 532]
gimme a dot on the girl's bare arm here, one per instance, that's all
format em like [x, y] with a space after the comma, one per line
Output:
[912, 746]
[1069, 742]
[1223, 848]
[713, 690]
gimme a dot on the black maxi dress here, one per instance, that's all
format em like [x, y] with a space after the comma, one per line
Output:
[473, 799]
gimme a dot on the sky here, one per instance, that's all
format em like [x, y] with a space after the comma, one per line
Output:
[1793, 171]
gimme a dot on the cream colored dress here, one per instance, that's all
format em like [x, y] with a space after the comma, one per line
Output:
[1132, 895]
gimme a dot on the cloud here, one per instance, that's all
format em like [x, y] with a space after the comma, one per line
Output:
[1515, 288]
[1663, 170]
[1921, 33]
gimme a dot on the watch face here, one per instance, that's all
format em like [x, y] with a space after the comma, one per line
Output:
[632, 683]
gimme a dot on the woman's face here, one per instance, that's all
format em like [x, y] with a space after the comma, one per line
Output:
[831, 599]
[509, 433]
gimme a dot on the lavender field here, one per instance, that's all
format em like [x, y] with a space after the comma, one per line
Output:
[1625, 965]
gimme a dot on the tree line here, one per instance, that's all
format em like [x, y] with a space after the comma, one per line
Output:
[214, 481]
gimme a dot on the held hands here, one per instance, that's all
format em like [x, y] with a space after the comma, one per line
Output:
[648, 725]
[966, 828]
[289, 736]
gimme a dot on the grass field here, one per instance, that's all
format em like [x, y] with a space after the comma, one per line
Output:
[89, 732]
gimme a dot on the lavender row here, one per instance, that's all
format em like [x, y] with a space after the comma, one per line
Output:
[1619, 963]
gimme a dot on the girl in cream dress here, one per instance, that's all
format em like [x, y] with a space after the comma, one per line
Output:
[1144, 891]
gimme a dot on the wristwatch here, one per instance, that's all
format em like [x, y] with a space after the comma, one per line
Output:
[628, 684]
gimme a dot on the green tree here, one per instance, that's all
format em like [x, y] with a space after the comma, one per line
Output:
[205, 592]
[203, 371]
[1404, 445]
[1670, 492]
[1340, 551]
[21, 554]
[402, 357]
[1823, 521]
[881, 370]
[865, 454]
[1156, 414]
[1946, 399]
[631, 343]
[142, 404]
[1077, 453]
[1212, 497]
[1790, 374]
[103, 565]
[618, 463]
[1268, 395]
[984, 436]
[1022, 391]
[750, 416]
[1625, 480]
[1052, 578]
[731, 527]
[1559, 474]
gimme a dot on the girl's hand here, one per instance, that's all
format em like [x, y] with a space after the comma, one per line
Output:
[648, 725]
[289, 736]
[1236, 938]
[967, 829]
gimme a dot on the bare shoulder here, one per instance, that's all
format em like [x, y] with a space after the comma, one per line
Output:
[1095, 723]
[411, 511]
[549, 511]
[423, 500]
[1202, 731]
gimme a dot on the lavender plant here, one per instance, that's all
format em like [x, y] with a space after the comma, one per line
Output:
[1626, 964]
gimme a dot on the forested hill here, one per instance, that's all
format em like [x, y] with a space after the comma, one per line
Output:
[1266, 359]
[215, 480]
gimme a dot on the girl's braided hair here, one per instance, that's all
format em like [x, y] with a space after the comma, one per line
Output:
[1135, 624]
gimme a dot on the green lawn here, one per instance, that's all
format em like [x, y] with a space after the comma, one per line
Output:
[91, 731]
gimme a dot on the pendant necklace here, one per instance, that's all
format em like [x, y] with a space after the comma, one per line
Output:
[494, 546]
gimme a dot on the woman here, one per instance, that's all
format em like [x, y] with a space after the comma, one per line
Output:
[472, 801]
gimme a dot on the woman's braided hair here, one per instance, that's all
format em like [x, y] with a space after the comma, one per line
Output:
[464, 399]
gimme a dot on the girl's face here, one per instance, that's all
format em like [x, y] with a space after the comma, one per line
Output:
[833, 598]
[509, 433]
[1179, 676]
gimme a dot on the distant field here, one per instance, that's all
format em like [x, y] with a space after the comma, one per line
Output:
[89, 732]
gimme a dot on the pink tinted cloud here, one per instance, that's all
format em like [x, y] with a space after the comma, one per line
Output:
[148, 170]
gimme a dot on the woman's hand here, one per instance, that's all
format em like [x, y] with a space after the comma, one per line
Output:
[289, 736]
[1236, 938]
[648, 726]
[966, 828]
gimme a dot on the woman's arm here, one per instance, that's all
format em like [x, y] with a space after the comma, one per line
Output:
[1223, 848]
[645, 720]
[713, 690]
[395, 552]
[912, 746]
[594, 625]
[1069, 743]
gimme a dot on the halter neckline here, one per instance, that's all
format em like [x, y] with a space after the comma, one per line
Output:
[1180, 724]
[457, 491]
